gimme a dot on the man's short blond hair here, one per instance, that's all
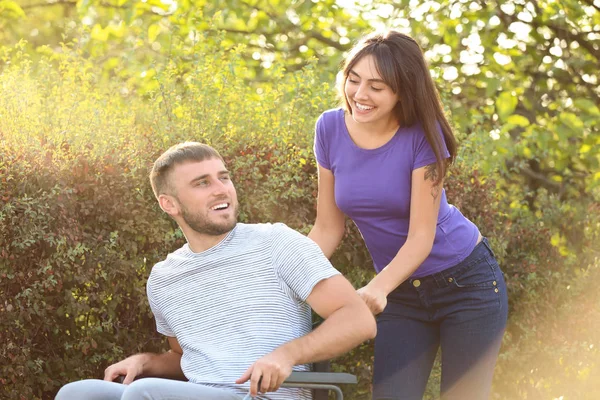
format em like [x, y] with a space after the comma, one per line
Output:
[177, 154]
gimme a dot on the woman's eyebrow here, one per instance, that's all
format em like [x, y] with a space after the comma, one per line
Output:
[369, 80]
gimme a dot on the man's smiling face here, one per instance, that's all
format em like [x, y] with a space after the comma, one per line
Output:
[205, 196]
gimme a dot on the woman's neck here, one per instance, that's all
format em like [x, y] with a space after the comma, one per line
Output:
[370, 135]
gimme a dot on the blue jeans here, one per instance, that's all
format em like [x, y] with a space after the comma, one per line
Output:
[464, 310]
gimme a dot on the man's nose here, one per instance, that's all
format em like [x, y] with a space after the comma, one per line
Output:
[219, 187]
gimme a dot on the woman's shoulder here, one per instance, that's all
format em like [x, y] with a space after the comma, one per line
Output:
[331, 121]
[416, 133]
[416, 129]
[411, 135]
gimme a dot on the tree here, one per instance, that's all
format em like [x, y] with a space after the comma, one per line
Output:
[523, 73]
[285, 32]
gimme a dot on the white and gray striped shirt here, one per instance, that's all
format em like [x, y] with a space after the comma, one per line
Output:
[237, 301]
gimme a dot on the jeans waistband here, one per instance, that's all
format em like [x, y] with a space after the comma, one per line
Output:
[440, 279]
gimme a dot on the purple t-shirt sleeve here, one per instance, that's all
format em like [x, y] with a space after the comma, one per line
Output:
[423, 151]
[321, 146]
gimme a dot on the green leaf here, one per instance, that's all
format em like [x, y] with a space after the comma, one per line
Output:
[562, 132]
[492, 86]
[99, 34]
[111, 63]
[11, 8]
[555, 239]
[518, 120]
[83, 6]
[506, 104]
[571, 120]
[129, 14]
[153, 31]
[587, 105]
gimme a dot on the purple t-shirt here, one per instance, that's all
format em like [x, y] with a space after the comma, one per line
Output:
[372, 187]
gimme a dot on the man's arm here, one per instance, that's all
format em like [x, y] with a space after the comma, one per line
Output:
[165, 365]
[348, 322]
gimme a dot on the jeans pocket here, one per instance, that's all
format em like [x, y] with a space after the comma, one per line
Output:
[481, 274]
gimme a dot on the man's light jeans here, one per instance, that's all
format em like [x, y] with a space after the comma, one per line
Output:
[143, 389]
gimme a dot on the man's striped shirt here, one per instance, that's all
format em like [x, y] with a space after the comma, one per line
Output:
[237, 301]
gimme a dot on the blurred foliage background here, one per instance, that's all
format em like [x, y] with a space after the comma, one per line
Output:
[91, 92]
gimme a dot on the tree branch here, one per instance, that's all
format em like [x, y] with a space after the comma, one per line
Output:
[67, 3]
[48, 4]
[564, 33]
[289, 26]
[329, 42]
[538, 177]
[559, 31]
[591, 4]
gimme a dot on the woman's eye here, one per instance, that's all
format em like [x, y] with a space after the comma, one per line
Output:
[376, 89]
[352, 81]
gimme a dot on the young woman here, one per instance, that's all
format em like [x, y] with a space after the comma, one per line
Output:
[382, 158]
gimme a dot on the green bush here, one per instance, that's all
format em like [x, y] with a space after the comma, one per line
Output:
[79, 226]
[73, 267]
[80, 229]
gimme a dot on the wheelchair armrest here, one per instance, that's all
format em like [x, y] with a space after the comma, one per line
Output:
[332, 378]
[328, 378]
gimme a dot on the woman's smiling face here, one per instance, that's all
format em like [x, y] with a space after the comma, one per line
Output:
[370, 98]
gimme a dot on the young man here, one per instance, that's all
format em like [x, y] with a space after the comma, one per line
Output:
[234, 302]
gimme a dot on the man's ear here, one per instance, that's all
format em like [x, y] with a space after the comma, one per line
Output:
[168, 204]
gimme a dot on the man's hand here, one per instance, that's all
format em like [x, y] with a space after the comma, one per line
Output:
[270, 371]
[376, 299]
[131, 367]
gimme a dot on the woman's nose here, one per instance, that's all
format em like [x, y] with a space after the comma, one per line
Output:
[361, 92]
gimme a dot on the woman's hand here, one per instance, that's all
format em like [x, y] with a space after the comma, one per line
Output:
[375, 298]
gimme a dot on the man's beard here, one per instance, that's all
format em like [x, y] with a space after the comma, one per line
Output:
[204, 226]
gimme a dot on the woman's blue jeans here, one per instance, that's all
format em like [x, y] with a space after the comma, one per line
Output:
[464, 310]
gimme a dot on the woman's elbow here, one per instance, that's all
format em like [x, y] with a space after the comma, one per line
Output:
[422, 240]
[367, 322]
[334, 230]
[371, 328]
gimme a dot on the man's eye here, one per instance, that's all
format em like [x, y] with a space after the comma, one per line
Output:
[225, 178]
[201, 183]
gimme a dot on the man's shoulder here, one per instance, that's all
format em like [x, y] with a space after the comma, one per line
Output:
[267, 229]
[276, 236]
[173, 259]
[244, 229]
[178, 255]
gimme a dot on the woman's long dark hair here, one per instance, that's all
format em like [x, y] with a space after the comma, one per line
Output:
[400, 62]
